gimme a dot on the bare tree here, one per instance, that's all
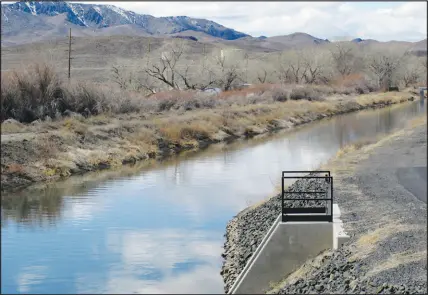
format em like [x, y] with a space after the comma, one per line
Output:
[283, 71]
[227, 68]
[165, 69]
[261, 76]
[313, 61]
[344, 58]
[230, 76]
[175, 71]
[133, 81]
[197, 77]
[118, 78]
[383, 66]
[410, 71]
[298, 67]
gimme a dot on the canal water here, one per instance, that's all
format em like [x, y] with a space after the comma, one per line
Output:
[158, 227]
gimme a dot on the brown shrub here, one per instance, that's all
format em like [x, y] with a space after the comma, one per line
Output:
[281, 94]
[15, 168]
[38, 92]
[30, 95]
[354, 83]
[305, 92]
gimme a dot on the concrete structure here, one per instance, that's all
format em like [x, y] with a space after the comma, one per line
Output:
[339, 235]
[286, 246]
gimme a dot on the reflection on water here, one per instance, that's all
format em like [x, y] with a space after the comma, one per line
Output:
[158, 227]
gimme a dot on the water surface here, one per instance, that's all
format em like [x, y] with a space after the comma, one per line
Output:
[159, 228]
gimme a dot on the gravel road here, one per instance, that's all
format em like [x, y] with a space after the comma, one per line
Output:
[383, 212]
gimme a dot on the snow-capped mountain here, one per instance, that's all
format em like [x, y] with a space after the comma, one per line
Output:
[94, 16]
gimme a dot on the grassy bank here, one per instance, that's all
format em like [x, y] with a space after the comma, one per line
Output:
[88, 130]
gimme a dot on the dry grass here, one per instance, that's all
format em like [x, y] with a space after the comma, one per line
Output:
[12, 127]
[188, 130]
[301, 272]
[46, 147]
[142, 135]
[350, 148]
[367, 243]
[377, 98]
[397, 259]
[75, 125]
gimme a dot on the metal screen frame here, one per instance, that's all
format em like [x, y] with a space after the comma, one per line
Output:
[312, 213]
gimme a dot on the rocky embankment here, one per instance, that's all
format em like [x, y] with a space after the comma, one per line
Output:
[341, 274]
[387, 252]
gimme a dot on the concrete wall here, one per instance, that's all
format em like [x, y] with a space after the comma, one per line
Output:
[253, 257]
[285, 248]
[289, 246]
[339, 235]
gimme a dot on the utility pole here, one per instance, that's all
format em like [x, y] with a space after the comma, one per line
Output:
[204, 59]
[148, 53]
[246, 56]
[69, 55]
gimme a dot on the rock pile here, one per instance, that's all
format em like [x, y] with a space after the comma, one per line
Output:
[339, 274]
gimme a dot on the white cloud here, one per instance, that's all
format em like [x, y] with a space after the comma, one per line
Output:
[381, 21]
[163, 248]
[160, 251]
[196, 281]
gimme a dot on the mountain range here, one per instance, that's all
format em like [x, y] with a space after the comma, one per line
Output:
[29, 22]
[53, 18]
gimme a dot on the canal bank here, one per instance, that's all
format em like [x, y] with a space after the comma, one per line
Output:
[385, 218]
[50, 151]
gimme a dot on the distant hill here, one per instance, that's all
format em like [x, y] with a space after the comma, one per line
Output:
[277, 43]
[297, 40]
[419, 48]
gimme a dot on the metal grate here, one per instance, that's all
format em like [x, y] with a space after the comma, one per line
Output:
[304, 212]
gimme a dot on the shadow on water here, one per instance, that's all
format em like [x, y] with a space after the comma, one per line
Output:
[158, 226]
